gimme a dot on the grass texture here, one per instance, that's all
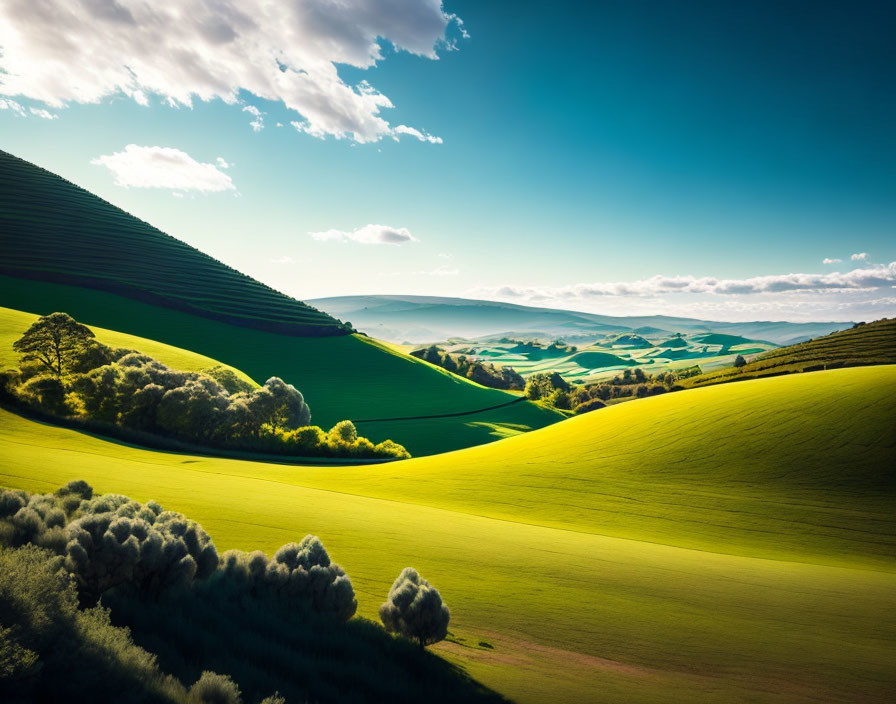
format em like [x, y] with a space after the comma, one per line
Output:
[728, 544]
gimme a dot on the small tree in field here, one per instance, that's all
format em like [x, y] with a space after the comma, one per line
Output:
[415, 610]
[55, 341]
[739, 361]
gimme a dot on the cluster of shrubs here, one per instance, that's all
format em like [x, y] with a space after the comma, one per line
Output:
[65, 372]
[486, 374]
[113, 600]
[554, 390]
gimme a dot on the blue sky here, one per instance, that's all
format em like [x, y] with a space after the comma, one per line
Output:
[644, 157]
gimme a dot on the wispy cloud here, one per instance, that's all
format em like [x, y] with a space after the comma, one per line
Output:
[194, 49]
[163, 167]
[828, 260]
[864, 293]
[859, 256]
[13, 106]
[873, 277]
[257, 124]
[368, 234]
[45, 114]
[283, 260]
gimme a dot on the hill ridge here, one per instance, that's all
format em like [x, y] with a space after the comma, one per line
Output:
[108, 249]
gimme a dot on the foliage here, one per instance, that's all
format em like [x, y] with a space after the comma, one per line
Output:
[50, 650]
[504, 377]
[415, 610]
[54, 341]
[249, 627]
[134, 391]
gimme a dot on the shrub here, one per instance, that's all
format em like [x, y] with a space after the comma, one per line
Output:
[118, 540]
[343, 433]
[212, 688]
[415, 610]
[299, 571]
[588, 406]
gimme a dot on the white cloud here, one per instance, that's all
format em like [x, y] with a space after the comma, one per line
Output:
[257, 124]
[45, 114]
[828, 260]
[854, 295]
[195, 49]
[413, 132]
[859, 256]
[13, 106]
[222, 164]
[283, 260]
[163, 167]
[369, 234]
[873, 277]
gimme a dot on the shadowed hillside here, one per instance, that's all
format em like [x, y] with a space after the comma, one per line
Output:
[52, 230]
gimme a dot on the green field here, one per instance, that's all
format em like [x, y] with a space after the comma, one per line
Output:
[871, 343]
[728, 544]
[346, 377]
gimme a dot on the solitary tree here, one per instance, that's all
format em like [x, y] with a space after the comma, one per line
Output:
[415, 610]
[54, 341]
[739, 361]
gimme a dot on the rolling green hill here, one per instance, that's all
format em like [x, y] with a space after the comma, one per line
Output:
[871, 343]
[51, 230]
[734, 543]
[67, 250]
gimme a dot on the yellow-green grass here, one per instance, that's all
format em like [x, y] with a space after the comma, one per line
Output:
[14, 322]
[346, 377]
[574, 613]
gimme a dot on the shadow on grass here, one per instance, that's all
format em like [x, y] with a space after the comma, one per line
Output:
[266, 645]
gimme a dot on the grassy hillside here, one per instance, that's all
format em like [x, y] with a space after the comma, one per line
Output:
[872, 343]
[342, 377]
[619, 556]
[14, 322]
[52, 230]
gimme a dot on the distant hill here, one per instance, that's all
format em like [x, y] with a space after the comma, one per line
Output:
[64, 249]
[52, 230]
[421, 319]
[866, 344]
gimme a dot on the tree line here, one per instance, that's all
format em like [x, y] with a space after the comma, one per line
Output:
[114, 600]
[67, 373]
[485, 374]
[553, 390]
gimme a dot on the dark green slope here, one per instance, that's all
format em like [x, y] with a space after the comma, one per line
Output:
[52, 230]
[341, 375]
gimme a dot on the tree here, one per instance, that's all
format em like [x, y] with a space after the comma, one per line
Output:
[739, 361]
[415, 610]
[54, 341]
